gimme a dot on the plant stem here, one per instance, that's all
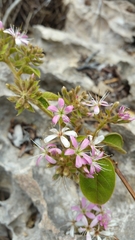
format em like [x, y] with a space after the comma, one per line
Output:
[123, 179]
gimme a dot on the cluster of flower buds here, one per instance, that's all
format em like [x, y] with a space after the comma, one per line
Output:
[91, 220]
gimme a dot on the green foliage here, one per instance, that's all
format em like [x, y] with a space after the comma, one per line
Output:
[100, 188]
[30, 70]
[115, 141]
[50, 96]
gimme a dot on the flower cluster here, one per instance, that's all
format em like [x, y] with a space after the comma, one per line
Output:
[64, 150]
[90, 219]
[70, 154]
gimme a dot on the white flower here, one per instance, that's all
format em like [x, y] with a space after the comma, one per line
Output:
[60, 134]
[20, 38]
[73, 224]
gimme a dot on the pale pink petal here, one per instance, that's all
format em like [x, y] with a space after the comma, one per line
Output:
[50, 145]
[88, 158]
[94, 222]
[61, 102]
[89, 175]
[52, 108]
[85, 221]
[79, 217]
[96, 110]
[79, 161]
[65, 142]
[92, 170]
[76, 208]
[104, 103]
[55, 150]
[74, 142]
[65, 119]
[39, 159]
[50, 138]
[68, 109]
[55, 119]
[84, 144]
[98, 168]
[84, 202]
[50, 159]
[69, 151]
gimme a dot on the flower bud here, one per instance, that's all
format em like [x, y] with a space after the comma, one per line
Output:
[1, 25]
[58, 170]
[66, 172]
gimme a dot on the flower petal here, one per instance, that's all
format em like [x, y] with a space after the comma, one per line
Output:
[55, 119]
[68, 109]
[98, 139]
[69, 151]
[79, 161]
[96, 109]
[71, 133]
[61, 102]
[65, 142]
[84, 144]
[50, 138]
[52, 108]
[50, 159]
[74, 142]
[65, 119]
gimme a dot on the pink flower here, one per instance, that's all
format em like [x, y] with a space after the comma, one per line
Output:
[84, 209]
[61, 135]
[125, 115]
[20, 38]
[95, 167]
[49, 149]
[1, 25]
[61, 111]
[104, 219]
[96, 103]
[81, 156]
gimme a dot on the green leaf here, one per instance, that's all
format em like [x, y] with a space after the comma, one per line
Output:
[44, 102]
[30, 70]
[115, 141]
[13, 50]
[4, 49]
[100, 188]
[50, 96]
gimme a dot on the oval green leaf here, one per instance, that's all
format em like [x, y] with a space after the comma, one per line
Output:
[99, 189]
[50, 96]
[30, 70]
[115, 141]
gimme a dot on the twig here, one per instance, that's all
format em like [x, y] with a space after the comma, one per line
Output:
[9, 10]
[88, 59]
[123, 179]
[86, 65]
